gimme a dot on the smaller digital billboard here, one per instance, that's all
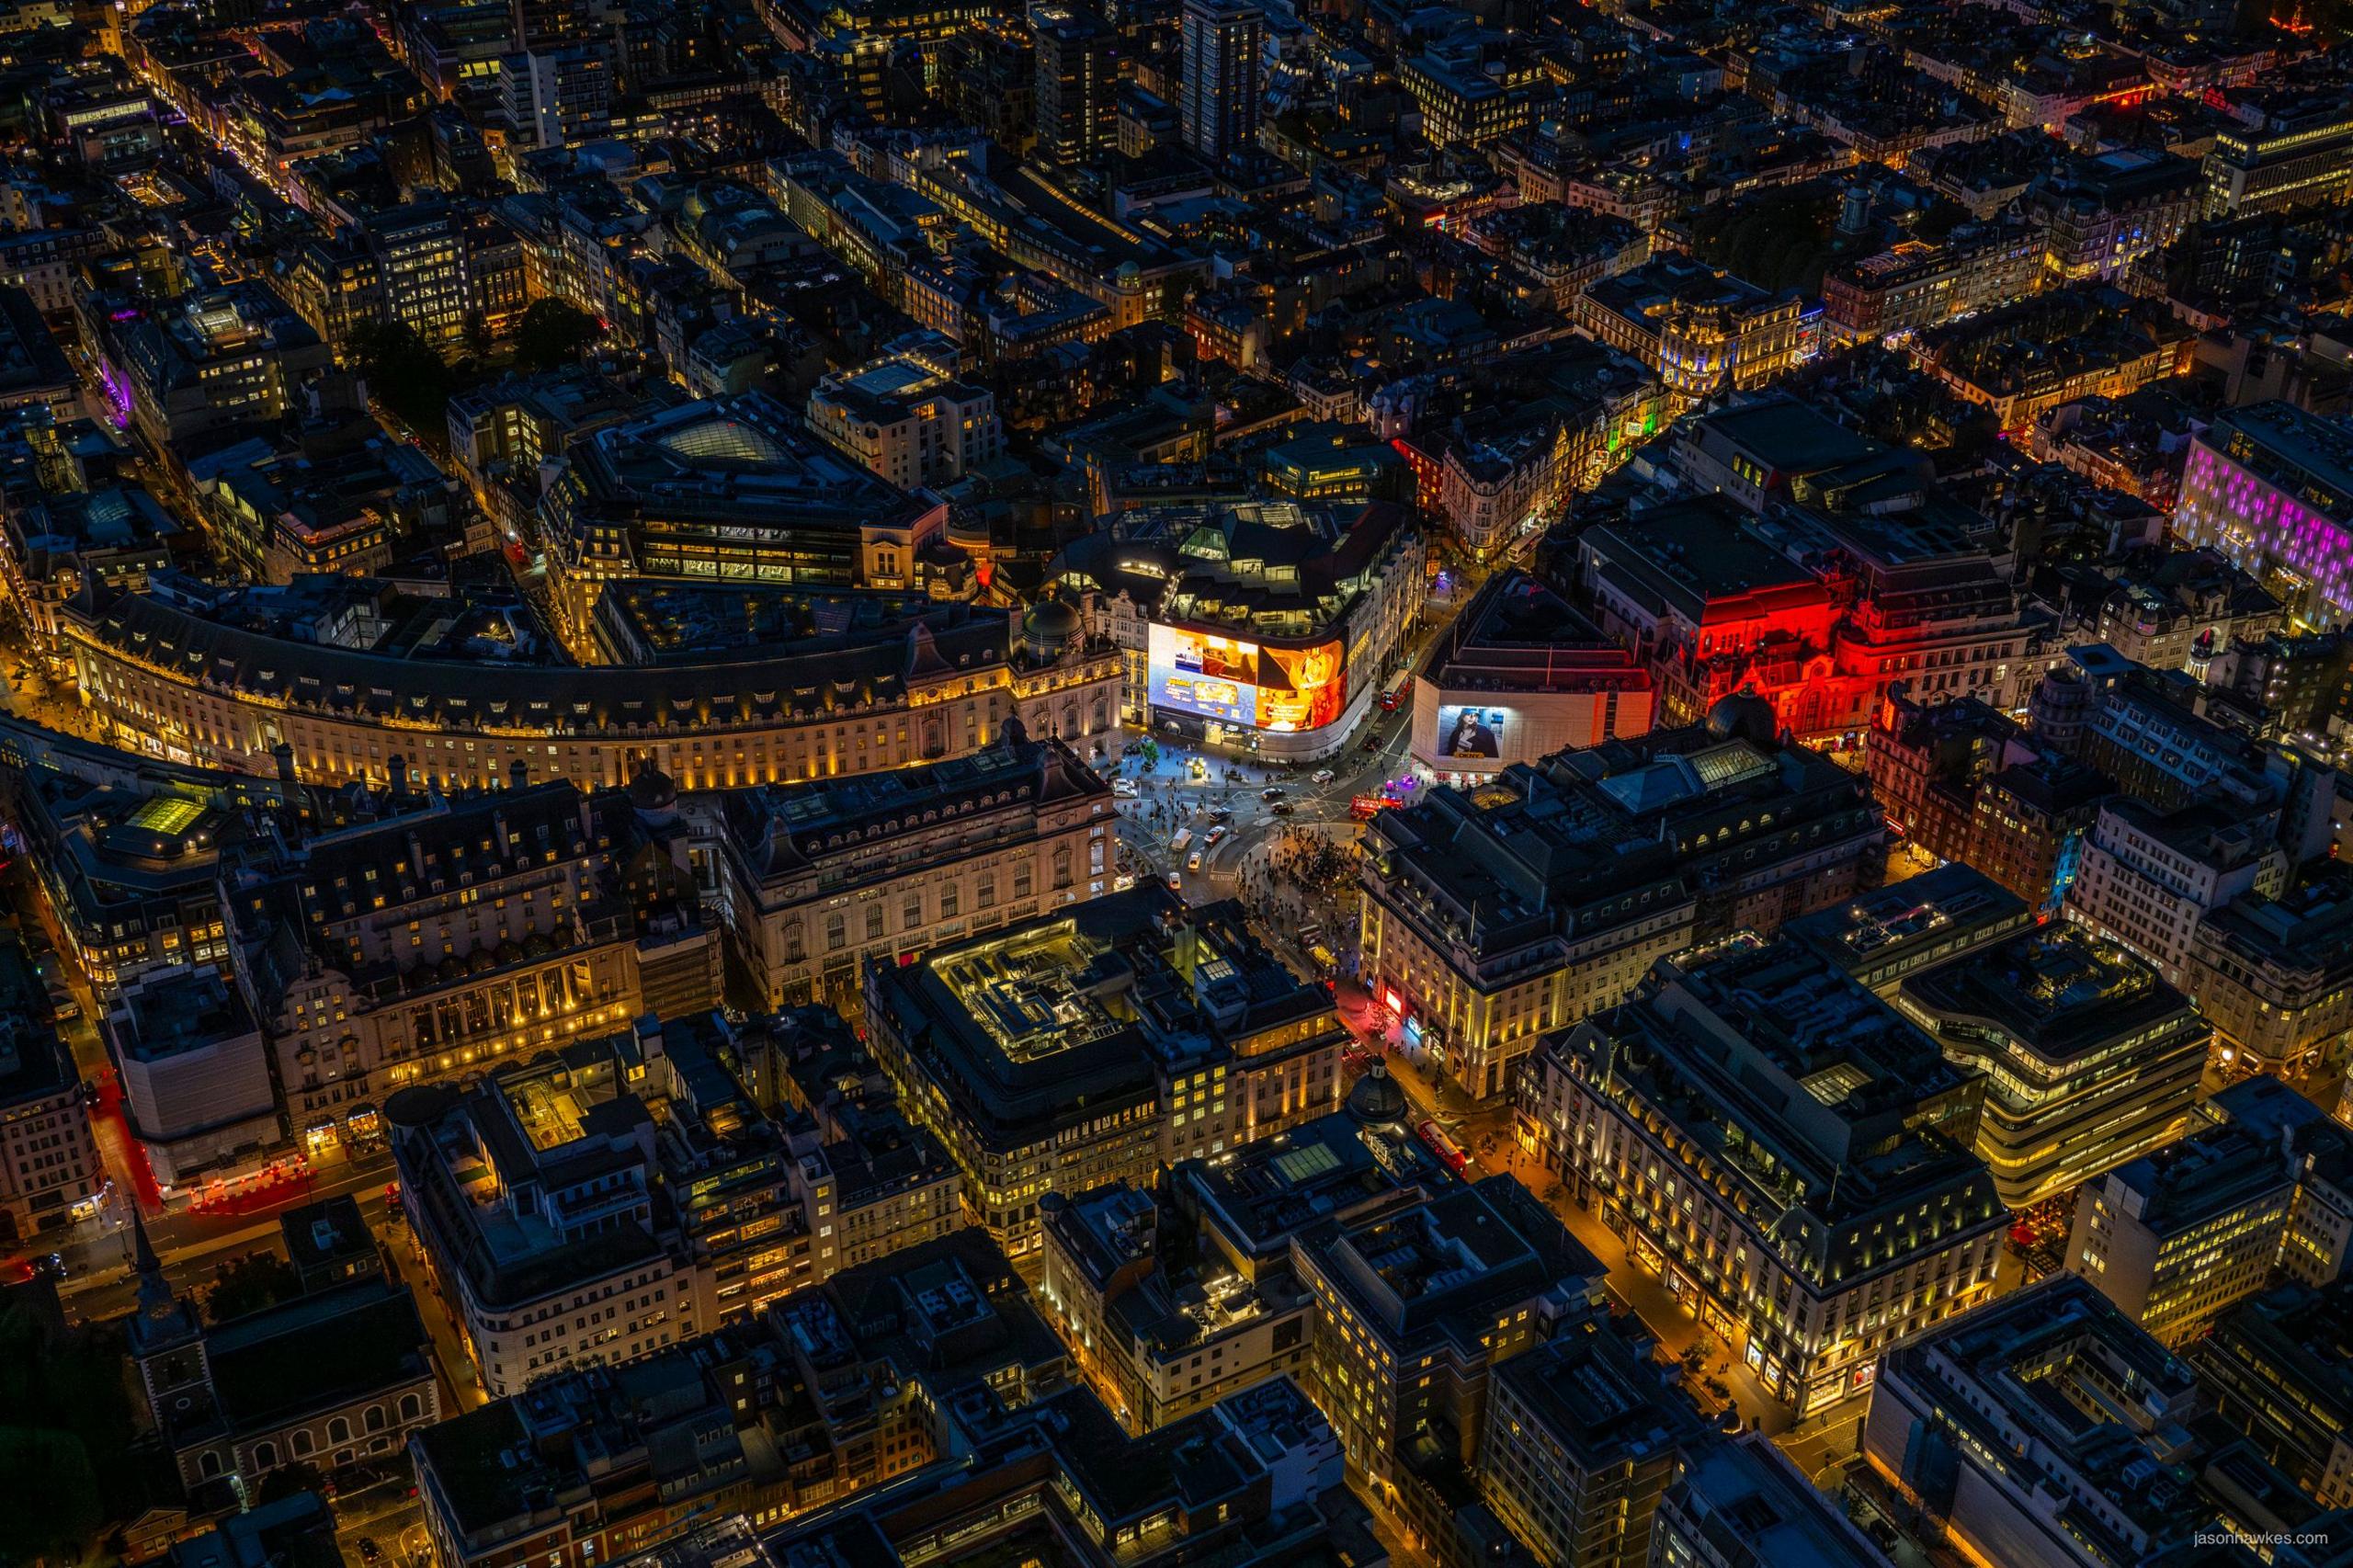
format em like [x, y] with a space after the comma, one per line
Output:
[1222, 700]
[1204, 653]
[1473, 732]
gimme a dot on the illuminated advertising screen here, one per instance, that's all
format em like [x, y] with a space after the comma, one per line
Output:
[1301, 688]
[1476, 733]
[1216, 678]
[1241, 683]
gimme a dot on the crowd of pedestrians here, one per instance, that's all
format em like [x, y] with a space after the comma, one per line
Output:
[1306, 879]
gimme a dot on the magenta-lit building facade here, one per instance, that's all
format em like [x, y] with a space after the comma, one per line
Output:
[2271, 487]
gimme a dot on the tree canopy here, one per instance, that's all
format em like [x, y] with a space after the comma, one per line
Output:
[296, 1475]
[247, 1284]
[405, 377]
[554, 333]
[65, 1434]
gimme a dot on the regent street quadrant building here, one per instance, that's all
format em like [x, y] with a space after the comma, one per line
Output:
[719, 687]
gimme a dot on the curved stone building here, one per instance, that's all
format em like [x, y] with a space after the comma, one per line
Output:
[348, 676]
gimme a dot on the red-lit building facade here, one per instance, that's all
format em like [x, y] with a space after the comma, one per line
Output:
[1817, 614]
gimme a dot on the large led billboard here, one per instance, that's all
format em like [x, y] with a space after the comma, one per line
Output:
[1239, 682]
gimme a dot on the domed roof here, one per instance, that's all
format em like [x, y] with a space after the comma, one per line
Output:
[1743, 716]
[651, 789]
[420, 1104]
[1053, 619]
[1377, 1097]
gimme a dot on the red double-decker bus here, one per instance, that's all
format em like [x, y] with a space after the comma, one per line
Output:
[1445, 1148]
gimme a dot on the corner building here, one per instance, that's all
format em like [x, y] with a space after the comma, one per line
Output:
[48, 1161]
[1584, 1437]
[2256, 1188]
[1495, 915]
[2089, 1060]
[1416, 1305]
[821, 878]
[1521, 675]
[2044, 1429]
[2271, 487]
[1783, 1151]
[1095, 1045]
[1260, 628]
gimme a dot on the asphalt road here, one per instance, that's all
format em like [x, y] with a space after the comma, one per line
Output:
[191, 1243]
[387, 1514]
[1176, 795]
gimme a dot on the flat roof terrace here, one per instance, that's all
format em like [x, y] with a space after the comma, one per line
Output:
[549, 1111]
[1041, 989]
[2057, 990]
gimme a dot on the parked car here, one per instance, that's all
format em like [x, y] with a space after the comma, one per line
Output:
[1125, 788]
